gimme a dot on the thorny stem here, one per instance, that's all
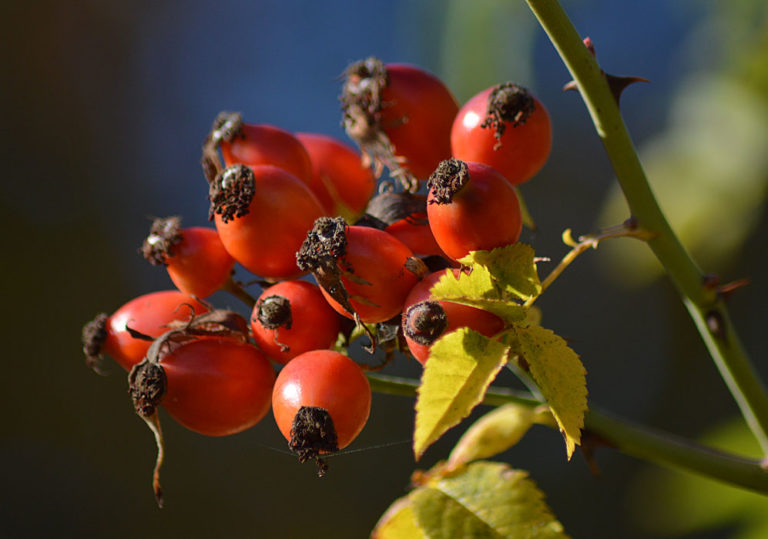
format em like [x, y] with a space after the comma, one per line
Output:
[638, 441]
[704, 305]
[590, 241]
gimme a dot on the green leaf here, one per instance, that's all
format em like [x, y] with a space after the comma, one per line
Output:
[485, 499]
[460, 368]
[560, 376]
[398, 522]
[532, 317]
[478, 284]
[512, 268]
[478, 289]
[493, 433]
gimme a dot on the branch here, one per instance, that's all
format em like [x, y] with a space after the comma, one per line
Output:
[635, 440]
[591, 241]
[703, 303]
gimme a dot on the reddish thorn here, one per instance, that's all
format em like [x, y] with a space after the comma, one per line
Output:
[571, 86]
[619, 84]
[710, 281]
[728, 289]
[589, 45]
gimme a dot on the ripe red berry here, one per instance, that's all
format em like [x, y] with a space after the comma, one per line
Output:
[293, 317]
[195, 258]
[149, 314]
[361, 270]
[504, 127]
[340, 180]
[471, 207]
[217, 385]
[400, 115]
[425, 320]
[414, 231]
[262, 214]
[262, 144]
[321, 402]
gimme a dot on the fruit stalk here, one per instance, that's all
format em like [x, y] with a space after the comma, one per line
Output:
[704, 304]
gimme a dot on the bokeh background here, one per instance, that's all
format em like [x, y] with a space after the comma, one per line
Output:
[105, 106]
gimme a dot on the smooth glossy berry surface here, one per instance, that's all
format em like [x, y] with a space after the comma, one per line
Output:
[200, 264]
[279, 211]
[515, 140]
[340, 180]
[327, 380]
[149, 314]
[361, 270]
[217, 386]
[196, 260]
[414, 231]
[410, 106]
[263, 144]
[472, 207]
[293, 317]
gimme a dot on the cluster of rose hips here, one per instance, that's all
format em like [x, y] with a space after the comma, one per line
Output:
[289, 205]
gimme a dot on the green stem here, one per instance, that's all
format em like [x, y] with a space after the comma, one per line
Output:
[635, 440]
[234, 288]
[703, 303]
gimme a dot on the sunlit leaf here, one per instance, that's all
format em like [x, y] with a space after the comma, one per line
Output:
[398, 522]
[512, 268]
[477, 290]
[460, 368]
[560, 377]
[478, 284]
[533, 317]
[485, 499]
[493, 433]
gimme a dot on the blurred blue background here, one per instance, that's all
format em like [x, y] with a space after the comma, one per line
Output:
[106, 104]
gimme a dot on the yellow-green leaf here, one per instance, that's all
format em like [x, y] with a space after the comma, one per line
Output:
[532, 317]
[478, 284]
[496, 431]
[485, 499]
[398, 522]
[560, 376]
[512, 269]
[478, 290]
[461, 366]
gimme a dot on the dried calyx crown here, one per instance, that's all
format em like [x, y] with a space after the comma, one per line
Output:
[449, 178]
[424, 322]
[274, 312]
[313, 434]
[163, 235]
[508, 105]
[231, 193]
[225, 128]
[93, 337]
[362, 105]
[326, 240]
